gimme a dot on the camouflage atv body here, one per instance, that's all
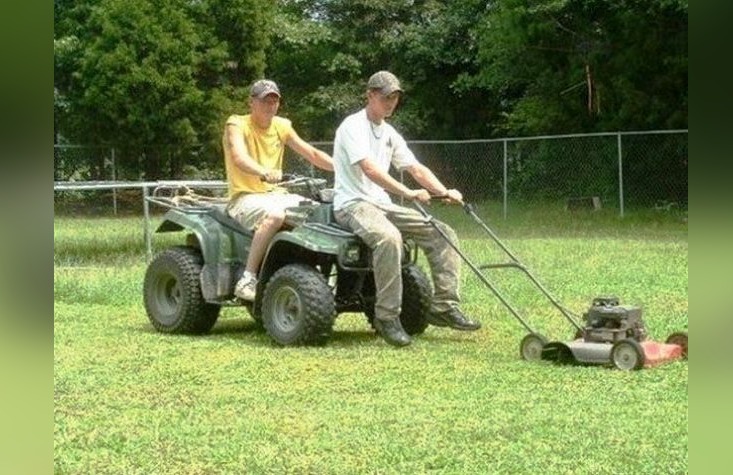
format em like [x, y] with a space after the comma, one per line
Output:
[313, 271]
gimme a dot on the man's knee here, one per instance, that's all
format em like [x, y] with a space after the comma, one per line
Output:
[390, 238]
[273, 219]
[448, 232]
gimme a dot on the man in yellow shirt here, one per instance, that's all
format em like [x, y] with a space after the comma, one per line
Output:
[254, 146]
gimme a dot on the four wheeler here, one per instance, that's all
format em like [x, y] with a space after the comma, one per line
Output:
[614, 334]
[313, 269]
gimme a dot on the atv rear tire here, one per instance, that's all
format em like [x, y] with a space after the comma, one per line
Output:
[416, 297]
[172, 293]
[298, 306]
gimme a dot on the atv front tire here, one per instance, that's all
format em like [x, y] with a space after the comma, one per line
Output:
[298, 306]
[172, 293]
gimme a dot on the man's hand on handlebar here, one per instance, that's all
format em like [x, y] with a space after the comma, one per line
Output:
[272, 176]
[454, 196]
[421, 195]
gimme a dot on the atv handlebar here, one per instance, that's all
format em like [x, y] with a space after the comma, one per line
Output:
[467, 207]
[289, 179]
[309, 187]
[446, 199]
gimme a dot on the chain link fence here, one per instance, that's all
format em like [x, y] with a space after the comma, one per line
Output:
[625, 170]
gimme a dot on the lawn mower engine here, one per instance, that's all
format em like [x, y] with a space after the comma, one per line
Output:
[608, 322]
[616, 334]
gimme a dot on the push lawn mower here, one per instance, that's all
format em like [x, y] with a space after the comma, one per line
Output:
[612, 333]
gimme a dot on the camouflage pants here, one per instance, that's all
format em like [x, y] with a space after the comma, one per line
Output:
[382, 227]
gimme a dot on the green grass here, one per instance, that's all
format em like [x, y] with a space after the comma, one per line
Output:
[130, 400]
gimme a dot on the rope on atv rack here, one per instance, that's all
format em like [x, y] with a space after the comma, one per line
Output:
[180, 196]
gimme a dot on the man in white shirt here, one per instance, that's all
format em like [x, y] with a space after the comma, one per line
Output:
[364, 148]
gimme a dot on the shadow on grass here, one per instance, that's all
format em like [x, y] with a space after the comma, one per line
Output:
[251, 332]
[226, 328]
[346, 338]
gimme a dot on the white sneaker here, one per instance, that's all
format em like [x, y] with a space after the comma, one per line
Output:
[246, 288]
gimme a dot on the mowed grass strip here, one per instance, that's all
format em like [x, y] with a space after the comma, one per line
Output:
[130, 400]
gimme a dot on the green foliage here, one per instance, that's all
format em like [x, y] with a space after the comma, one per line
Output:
[440, 44]
[328, 50]
[586, 65]
[325, 54]
[319, 82]
[130, 400]
[146, 73]
[156, 75]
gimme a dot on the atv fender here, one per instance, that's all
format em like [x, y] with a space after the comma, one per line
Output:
[307, 244]
[222, 248]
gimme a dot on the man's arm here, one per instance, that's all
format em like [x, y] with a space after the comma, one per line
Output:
[309, 152]
[242, 159]
[391, 185]
[425, 177]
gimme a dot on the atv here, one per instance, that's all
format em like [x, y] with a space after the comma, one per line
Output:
[313, 269]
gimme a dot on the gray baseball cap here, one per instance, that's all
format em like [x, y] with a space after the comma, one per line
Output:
[264, 87]
[386, 82]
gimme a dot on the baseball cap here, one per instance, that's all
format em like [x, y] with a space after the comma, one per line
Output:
[386, 82]
[264, 87]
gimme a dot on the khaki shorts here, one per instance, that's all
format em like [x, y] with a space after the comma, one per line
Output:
[249, 209]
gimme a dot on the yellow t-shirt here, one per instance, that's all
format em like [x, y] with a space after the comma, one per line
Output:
[265, 146]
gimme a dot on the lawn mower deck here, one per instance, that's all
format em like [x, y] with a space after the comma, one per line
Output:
[627, 356]
[614, 334]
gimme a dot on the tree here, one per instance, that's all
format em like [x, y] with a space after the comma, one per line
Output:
[156, 76]
[586, 65]
[323, 52]
[437, 50]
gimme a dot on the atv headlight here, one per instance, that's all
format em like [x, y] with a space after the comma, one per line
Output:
[352, 254]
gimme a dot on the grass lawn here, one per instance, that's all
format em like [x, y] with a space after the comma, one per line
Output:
[130, 400]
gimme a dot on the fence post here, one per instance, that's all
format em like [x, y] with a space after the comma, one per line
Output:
[620, 175]
[506, 175]
[146, 225]
[114, 178]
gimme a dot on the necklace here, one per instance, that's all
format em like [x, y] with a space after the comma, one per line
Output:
[374, 130]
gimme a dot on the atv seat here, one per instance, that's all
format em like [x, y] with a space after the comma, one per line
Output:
[219, 213]
[324, 215]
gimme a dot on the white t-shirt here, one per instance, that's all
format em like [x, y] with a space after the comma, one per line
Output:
[356, 139]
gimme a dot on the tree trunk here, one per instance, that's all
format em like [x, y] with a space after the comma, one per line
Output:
[152, 163]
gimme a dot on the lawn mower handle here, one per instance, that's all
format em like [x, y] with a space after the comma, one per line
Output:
[469, 209]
